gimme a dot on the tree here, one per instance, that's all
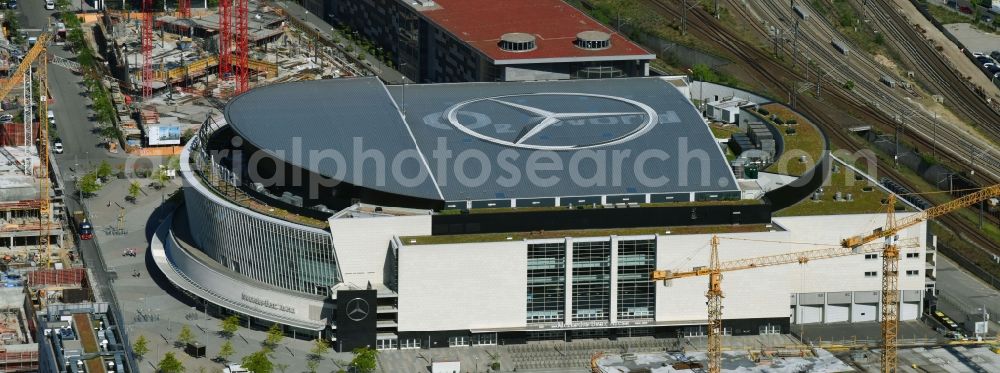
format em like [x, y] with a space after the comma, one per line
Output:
[170, 364]
[320, 347]
[187, 135]
[133, 190]
[13, 26]
[140, 347]
[161, 177]
[88, 184]
[185, 336]
[274, 335]
[104, 169]
[365, 359]
[229, 325]
[258, 362]
[110, 132]
[312, 365]
[226, 350]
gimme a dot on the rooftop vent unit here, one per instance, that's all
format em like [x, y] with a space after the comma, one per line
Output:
[593, 40]
[517, 42]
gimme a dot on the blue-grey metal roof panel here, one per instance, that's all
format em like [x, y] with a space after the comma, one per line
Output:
[482, 141]
[613, 136]
[346, 129]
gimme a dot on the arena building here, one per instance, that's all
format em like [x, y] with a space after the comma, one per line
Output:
[480, 40]
[496, 213]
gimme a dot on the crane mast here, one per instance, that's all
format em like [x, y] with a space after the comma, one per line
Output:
[890, 290]
[715, 296]
[890, 261]
[716, 268]
[45, 205]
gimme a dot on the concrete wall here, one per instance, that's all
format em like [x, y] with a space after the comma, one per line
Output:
[757, 293]
[363, 244]
[462, 286]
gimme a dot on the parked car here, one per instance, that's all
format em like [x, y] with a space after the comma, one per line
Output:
[6, 118]
[57, 147]
[12, 4]
[50, 5]
[995, 55]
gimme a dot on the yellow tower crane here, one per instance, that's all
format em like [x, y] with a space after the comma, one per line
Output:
[45, 204]
[29, 58]
[890, 260]
[850, 246]
[716, 268]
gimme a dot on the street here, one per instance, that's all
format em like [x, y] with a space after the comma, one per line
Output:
[147, 304]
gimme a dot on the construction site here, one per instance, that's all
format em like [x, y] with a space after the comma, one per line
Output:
[31, 208]
[173, 70]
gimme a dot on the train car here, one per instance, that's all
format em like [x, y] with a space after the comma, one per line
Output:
[887, 80]
[840, 47]
[802, 13]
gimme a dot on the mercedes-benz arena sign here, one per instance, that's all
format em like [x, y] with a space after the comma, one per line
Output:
[549, 117]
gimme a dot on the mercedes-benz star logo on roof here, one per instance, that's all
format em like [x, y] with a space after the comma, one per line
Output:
[357, 309]
[547, 118]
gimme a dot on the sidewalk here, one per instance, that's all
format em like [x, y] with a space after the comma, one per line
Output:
[149, 294]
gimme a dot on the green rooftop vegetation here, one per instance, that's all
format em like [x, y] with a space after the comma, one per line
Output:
[867, 198]
[800, 137]
[240, 198]
[723, 131]
[517, 236]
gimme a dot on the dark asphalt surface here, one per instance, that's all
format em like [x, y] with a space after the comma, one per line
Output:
[83, 150]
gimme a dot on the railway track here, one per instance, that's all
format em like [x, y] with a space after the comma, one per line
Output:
[964, 145]
[929, 64]
[827, 114]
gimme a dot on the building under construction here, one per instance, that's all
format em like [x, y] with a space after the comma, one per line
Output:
[172, 70]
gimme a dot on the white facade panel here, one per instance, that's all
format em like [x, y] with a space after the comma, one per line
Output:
[462, 286]
[848, 273]
[362, 244]
[838, 313]
[909, 311]
[751, 293]
[759, 293]
[810, 314]
[861, 312]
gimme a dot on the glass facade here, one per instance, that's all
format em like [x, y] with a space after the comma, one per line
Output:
[546, 282]
[636, 294]
[591, 280]
[284, 254]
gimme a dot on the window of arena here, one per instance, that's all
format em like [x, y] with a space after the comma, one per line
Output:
[591, 280]
[636, 294]
[546, 282]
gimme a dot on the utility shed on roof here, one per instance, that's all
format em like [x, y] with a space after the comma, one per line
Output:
[726, 110]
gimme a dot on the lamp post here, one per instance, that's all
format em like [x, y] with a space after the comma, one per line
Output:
[402, 95]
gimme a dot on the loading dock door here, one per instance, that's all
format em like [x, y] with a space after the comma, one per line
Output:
[862, 312]
[909, 311]
[810, 314]
[838, 312]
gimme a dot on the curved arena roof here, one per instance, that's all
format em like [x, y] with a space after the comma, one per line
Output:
[488, 141]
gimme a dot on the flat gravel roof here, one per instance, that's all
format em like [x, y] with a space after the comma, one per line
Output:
[488, 141]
